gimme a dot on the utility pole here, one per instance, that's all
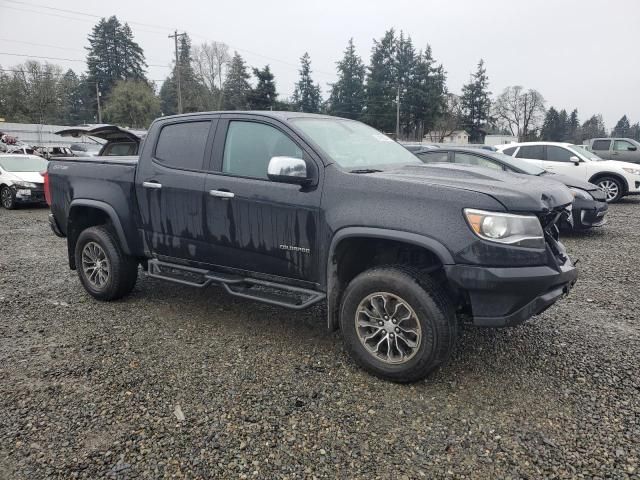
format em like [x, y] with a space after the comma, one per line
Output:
[398, 114]
[98, 95]
[175, 39]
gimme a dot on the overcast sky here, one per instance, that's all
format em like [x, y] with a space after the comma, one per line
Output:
[577, 53]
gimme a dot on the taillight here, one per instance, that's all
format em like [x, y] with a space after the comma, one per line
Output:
[47, 191]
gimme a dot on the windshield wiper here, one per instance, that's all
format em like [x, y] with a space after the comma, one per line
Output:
[365, 170]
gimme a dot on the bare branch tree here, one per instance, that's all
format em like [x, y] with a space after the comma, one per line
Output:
[210, 60]
[449, 121]
[520, 111]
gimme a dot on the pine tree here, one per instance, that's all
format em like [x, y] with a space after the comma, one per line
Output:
[551, 127]
[622, 127]
[594, 128]
[264, 96]
[426, 96]
[573, 134]
[382, 84]
[634, 131]
[236, 88]
[476, 104]
[306, 95]
[348, 94]
[196, 97]
[113, 55]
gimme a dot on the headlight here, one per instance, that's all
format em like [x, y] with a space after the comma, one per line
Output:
[25, 184]
[633, 171]
[579, 193]
[506, 228]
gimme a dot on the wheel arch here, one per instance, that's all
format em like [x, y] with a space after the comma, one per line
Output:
[85, 213]
[625, 185]
[367, 241]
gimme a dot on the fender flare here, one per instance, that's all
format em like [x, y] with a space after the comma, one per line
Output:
[434, 246]
[111, 213]
[620, 177]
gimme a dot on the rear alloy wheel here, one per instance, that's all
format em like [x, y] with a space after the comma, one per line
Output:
[8, 198]
[398, 323]
[612, 188]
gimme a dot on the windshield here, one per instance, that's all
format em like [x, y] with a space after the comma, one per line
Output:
[584, 153]
[354, 145]
[518, 163]
[20, 163]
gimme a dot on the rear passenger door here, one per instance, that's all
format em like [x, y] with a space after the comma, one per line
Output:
[254, 225]
[170, 188]
[533, 154]
[602, 148]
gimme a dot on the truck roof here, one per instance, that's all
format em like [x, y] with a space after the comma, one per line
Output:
[279, 114]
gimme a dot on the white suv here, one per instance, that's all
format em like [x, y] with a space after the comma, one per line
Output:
[616, 179]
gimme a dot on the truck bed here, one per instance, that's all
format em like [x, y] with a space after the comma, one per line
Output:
[118, 160]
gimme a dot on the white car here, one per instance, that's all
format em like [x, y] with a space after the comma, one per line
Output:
[616, 179]
[21, 180]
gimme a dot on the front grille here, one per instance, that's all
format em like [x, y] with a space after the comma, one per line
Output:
[549, 221]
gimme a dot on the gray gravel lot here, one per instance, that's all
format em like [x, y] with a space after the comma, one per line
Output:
[93, 390]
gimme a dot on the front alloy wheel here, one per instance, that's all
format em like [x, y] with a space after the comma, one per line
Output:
[388, 328]
[7, 198]
[611, 187]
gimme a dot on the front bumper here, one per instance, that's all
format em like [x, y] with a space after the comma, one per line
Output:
[29, 195]
[588, 213]
[503, 296]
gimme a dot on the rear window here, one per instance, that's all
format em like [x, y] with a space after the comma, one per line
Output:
[601, 145]
[533, 152]
[433, 157]
[182, 145]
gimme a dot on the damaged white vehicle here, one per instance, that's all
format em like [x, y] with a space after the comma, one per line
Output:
[21, 179]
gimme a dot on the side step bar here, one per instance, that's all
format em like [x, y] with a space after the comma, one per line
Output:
[251, 288]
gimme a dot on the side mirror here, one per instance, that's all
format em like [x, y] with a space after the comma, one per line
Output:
[287, 170]
[632, 148]
[575, 160]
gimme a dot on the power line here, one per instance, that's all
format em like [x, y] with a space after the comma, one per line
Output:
[268, 57]
[51, 74]
[13, 54]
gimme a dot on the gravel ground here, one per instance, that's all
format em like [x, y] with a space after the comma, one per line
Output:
[175, 382]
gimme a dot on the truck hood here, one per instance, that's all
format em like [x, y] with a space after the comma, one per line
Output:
[517, 192]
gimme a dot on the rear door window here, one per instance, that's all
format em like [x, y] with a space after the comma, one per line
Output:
[601, 145]
[476, 160]
[433, 157]
[182, 145]
[532, 152]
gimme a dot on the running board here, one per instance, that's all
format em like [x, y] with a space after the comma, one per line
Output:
[244, 287]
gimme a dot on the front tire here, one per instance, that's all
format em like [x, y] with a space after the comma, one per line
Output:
[612, 188]
[8, 198]
[397, 323]
[105, 271]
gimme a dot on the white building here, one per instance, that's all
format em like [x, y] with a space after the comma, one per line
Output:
[499, 139]
[458, 137]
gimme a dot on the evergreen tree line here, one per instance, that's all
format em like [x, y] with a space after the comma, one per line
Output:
[560, 126]
[399, 79]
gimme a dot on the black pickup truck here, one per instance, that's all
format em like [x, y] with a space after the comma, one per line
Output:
[294, 209]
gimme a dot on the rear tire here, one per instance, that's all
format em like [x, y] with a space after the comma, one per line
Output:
[8, 198]
[105, 271]
[612, 187]
[380, 309]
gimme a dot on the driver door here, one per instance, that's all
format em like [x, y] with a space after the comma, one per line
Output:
[253, 224]
[559, 160]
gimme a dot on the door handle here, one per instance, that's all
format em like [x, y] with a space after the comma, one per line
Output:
[221, 194]
[151, 185]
